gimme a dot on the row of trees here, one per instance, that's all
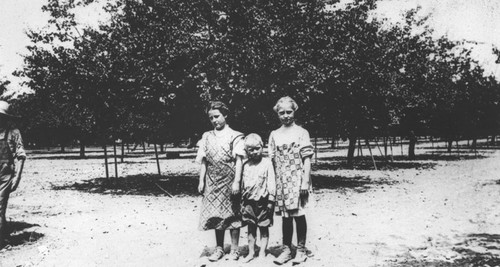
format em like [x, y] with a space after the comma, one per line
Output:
[146, 74]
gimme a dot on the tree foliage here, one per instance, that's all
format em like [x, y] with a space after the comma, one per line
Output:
[147, 73]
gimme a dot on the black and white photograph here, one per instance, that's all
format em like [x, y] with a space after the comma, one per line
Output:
[220, 133]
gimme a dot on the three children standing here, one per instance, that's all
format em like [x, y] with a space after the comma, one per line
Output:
[279, 183]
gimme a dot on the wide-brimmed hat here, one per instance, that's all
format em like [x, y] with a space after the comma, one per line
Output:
[4, 110]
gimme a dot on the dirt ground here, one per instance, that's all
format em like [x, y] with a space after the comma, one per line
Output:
[442, 209]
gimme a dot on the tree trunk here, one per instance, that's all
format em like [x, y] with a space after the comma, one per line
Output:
[157, 160]
[350, 151]
[123, 151]
[316, 149]
[450, 144]
[474, 143]
[411, 146]
[63, 148]
[392, 154]
[332, 143]
[360, 148]
[82, 149]
[385, 145]
[116, 159]
[493, 137]
[401, 143]
[106, 160]
[162, 148]
[144, 147]
[371, 154]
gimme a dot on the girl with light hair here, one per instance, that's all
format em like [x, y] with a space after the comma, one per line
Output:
[290, 149]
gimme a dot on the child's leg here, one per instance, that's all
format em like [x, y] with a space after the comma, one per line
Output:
[286, 254]
[235, 239]
[219, 250]
[219, 238]
[252, 233]
[301, 232]
[301, 256]
[264, 240]
[287, 231]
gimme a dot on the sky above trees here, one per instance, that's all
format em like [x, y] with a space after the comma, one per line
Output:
[471, 20]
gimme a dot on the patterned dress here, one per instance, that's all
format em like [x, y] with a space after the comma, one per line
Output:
[218, 209]
[288, 151]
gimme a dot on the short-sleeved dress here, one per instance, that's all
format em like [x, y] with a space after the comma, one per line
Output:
[287, 152]
[219, 210]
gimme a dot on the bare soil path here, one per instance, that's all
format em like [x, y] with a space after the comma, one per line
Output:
[439, 210]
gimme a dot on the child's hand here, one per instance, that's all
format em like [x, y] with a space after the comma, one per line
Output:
[270, 206]
[236, 188]
[201, 187]
[304, 186]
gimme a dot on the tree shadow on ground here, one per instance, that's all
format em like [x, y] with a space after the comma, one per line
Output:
[476, 250]
[186, 185]
[20, 233]
[181, 156]
[366, 163]
[77, 157]
[143, 184]
[449, 156]
[359, 184]
[479, 250]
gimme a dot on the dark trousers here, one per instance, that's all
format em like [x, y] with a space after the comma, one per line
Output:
[5, 184]
[3, 220]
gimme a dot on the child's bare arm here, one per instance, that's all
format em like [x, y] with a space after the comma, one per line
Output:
[271, 185]
[306, 179]
[237, 174]
[203, 172]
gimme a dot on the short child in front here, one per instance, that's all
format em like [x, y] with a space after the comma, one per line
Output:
[258, 195]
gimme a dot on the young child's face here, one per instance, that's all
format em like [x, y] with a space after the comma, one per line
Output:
[217, 119]
[254, 151]
[286, 113]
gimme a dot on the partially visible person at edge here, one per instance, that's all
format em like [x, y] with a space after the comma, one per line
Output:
[290, 149]
[11, 148]
[220, 156]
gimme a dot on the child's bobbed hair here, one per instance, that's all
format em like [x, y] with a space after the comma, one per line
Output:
[285, 99]
[223, 109]
[253, 139]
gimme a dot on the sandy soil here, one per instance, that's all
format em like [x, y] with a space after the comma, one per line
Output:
[439, 210]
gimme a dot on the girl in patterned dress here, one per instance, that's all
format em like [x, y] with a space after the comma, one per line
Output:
[220, 156]
[290, 149]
